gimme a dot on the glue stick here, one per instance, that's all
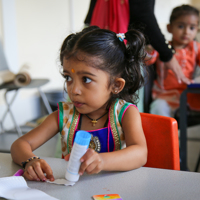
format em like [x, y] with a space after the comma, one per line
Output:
[81, 143]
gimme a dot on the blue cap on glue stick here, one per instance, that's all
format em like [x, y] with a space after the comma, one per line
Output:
[82, 138]
[81, 143]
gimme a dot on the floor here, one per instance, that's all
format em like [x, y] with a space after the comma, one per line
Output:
[50, 148]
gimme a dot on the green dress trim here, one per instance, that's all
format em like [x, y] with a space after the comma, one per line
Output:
[60, 106]
[122, 111]
[113, 126]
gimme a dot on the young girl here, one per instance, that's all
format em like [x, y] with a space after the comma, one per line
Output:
[184, 21]
[102, 77]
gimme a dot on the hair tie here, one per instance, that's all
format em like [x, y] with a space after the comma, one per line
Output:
[120, 36]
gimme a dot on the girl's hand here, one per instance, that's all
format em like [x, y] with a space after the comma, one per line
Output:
[35, 169]
[176, 68]
[67, 157]
[149, 48]
[91, 162]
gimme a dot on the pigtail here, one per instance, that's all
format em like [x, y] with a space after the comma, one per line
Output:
[134, 61]
[135, 46]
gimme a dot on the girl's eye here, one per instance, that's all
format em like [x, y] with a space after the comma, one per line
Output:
[86, 80]
[68, 78]
[180, 26]
[192, 28]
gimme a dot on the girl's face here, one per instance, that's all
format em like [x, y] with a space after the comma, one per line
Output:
[87, 87]
[184, 30]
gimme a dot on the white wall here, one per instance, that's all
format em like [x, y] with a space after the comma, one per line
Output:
[41, 25]
[9, 36]
[1, 24]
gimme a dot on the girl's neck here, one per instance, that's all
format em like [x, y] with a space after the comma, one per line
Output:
[86, 123]
[178, 45]
[101, 115]
[99, 112]
[97, 115]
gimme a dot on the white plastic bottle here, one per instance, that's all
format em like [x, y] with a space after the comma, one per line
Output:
[81, 143]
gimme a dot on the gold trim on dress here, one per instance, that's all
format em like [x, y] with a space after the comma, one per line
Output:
[113, 127]
[72, 129]
[95, 143]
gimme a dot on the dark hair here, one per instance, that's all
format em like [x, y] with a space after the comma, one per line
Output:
[111, 55]
[183, 10]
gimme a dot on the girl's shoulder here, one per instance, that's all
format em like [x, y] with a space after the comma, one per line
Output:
[198, 47]
[121, 104]
[193, 46]
[121, 107]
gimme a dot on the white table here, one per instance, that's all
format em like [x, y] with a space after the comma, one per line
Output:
[140, 184]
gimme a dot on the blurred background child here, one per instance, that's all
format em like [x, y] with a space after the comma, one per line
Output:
[183, 26]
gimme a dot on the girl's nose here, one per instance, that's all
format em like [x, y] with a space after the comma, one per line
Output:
[76, 88]
[187, 30]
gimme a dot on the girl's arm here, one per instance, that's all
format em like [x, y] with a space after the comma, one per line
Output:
[22, 149]
[132, 157]
[151, 56]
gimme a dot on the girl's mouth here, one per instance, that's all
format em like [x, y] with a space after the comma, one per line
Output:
[77, 104]
[185, 38]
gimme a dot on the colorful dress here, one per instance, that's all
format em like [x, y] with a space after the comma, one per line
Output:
[166, 86]
[107, 139]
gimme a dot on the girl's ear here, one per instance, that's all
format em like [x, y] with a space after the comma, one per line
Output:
[118, 85]
[169, 28]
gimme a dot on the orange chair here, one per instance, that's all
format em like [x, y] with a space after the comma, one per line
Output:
[162, 141]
